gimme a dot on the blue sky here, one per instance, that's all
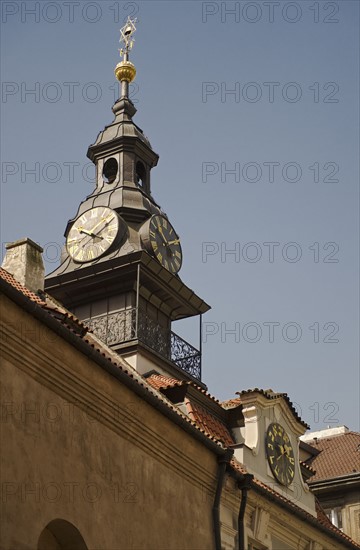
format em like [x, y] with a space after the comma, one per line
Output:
[253, 109]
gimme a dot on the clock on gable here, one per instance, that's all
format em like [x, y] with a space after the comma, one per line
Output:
[280, 454]
[267, 444]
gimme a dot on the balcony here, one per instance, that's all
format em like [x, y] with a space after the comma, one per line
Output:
[132, 324]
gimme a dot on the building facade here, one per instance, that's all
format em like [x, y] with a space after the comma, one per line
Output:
[110, 439]
[334, 454]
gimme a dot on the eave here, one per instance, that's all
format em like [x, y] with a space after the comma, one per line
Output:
[157, 285]
[345, 482]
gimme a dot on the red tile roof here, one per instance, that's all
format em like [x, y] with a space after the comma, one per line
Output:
[6, 276]
[269, 394]
[162, 382]
[203, 418]
[46, 302]
[208, 422]
[231, 403]
[339, 456]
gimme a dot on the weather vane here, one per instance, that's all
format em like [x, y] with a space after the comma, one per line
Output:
[125, 71]
[126, 37]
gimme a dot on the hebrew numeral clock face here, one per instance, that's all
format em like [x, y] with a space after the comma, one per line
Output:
[165, 243]
[93, 233]
[280, 454]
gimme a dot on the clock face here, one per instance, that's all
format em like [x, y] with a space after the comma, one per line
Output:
[165, 243]
[93, 233]
[280, 454]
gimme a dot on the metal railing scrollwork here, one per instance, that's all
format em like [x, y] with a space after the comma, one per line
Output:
[120, 327]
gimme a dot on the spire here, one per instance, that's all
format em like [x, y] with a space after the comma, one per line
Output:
[123, 145]
[125, 71]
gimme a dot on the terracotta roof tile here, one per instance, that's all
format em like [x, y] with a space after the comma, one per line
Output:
[208, 422]
[269, 394]
[204, 419]
[46, 302]
[6, 276]
[231, 403]
[162, 382]
[339, 456]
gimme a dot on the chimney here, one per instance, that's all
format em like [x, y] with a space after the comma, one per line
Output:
[24, 261]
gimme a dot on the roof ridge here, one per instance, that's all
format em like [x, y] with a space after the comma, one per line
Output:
[180, 383]
[270, 394]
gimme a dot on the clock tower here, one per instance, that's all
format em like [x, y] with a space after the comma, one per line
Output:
[120, 264]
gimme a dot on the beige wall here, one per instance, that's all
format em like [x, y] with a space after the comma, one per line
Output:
[80, 446]
[351, 516]
[269, 526]
[346, 502]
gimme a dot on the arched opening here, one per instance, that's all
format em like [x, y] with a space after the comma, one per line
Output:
[61, 535]
[110, 170]
[141, 174]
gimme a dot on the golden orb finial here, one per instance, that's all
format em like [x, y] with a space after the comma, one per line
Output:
[125, 70]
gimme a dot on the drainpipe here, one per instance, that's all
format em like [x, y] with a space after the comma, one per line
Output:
[244, 486]
[223, 463]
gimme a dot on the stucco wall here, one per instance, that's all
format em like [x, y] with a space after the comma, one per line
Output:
[79, 445]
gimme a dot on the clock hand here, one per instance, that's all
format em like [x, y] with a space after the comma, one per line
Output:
[91, 233]
[94, 237]
[287, 450]
[111, 216]
[175, 241]
[82, 230]
[97, 236]
[281, 447]
[162, 235]
[77, 241]
[283, 455]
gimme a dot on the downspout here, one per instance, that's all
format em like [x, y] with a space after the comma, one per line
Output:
[244, 486]
[223, 461]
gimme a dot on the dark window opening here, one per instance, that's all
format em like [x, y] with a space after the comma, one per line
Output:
[110, 170]
[140, 174]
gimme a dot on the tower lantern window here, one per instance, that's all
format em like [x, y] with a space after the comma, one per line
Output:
[110, 170]
[140, 174]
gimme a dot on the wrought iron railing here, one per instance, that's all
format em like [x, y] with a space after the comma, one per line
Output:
[125, 326]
